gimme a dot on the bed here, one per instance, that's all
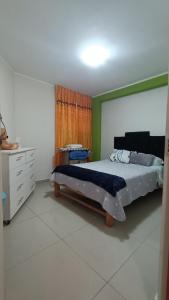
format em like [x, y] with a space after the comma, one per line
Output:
[139, 180]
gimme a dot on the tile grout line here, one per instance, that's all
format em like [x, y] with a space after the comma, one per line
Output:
[107, 282]
[49, 246]
[70, 234]
[74, 251]
[146, 238]
[20, 222]
[42, 249]
[33, 255]
[98, 292]
[38, 216]
[42, 213]
[78, 255]
[61, 238]
[46, 211]
[152, 247]
[125, 261]
[117, 292]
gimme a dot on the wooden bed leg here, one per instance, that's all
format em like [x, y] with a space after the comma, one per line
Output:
[57, 189]
[109, 220]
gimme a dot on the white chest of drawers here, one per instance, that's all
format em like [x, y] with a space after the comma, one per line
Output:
[18, 179]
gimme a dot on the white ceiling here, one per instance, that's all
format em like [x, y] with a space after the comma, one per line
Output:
[43, 38]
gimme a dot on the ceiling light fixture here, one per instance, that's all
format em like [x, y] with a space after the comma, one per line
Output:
[95, 56]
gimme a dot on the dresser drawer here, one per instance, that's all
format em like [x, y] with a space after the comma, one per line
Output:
[30, 176]
[17, 174]
[30, 155]
[30, 185]
[16, 160]
[30, 167]
[20, 185]
[17, 198]
[20, 199]
[18, 170]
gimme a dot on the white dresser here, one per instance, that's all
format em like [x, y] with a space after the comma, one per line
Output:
[18, 178]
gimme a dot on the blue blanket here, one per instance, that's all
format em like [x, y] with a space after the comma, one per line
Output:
[110, 183]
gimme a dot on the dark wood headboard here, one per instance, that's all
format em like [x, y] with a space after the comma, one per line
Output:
[141, 141]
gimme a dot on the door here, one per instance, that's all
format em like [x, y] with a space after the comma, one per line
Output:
[167, 297]
[164, 285]
[1, 241]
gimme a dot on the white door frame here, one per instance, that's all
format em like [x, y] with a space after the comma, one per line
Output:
[1, 240]
[164, 272]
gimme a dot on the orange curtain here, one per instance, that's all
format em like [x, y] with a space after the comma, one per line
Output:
[73, 121]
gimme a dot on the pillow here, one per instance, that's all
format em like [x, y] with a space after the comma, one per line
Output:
[157, 161]
[120, 156]
[141, 159]
[113, 155]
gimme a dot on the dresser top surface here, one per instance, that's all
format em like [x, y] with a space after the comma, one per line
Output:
[17, 151]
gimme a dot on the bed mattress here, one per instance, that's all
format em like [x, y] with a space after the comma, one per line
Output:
[140, 180]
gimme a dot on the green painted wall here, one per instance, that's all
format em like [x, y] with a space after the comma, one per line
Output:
[143, 86]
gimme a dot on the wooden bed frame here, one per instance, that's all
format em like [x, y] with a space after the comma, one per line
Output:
[133, 141]
[60, 192]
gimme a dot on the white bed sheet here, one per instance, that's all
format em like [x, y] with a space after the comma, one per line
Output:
[140, 181]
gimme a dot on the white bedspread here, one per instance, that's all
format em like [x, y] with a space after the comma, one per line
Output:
[140, 181]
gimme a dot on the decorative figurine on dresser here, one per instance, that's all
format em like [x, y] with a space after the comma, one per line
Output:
[18, 175]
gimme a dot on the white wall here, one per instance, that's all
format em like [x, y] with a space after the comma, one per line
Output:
[7, 97]
[138, 112]
[34, 117]
[27, 107]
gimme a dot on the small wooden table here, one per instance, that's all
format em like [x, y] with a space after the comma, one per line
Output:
[63, 155]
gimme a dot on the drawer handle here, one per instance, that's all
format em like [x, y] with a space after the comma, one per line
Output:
[19, 158]
[19, 187]
[19, 173]
[20, 200]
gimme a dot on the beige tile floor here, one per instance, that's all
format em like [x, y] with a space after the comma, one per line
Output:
[58, 250]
